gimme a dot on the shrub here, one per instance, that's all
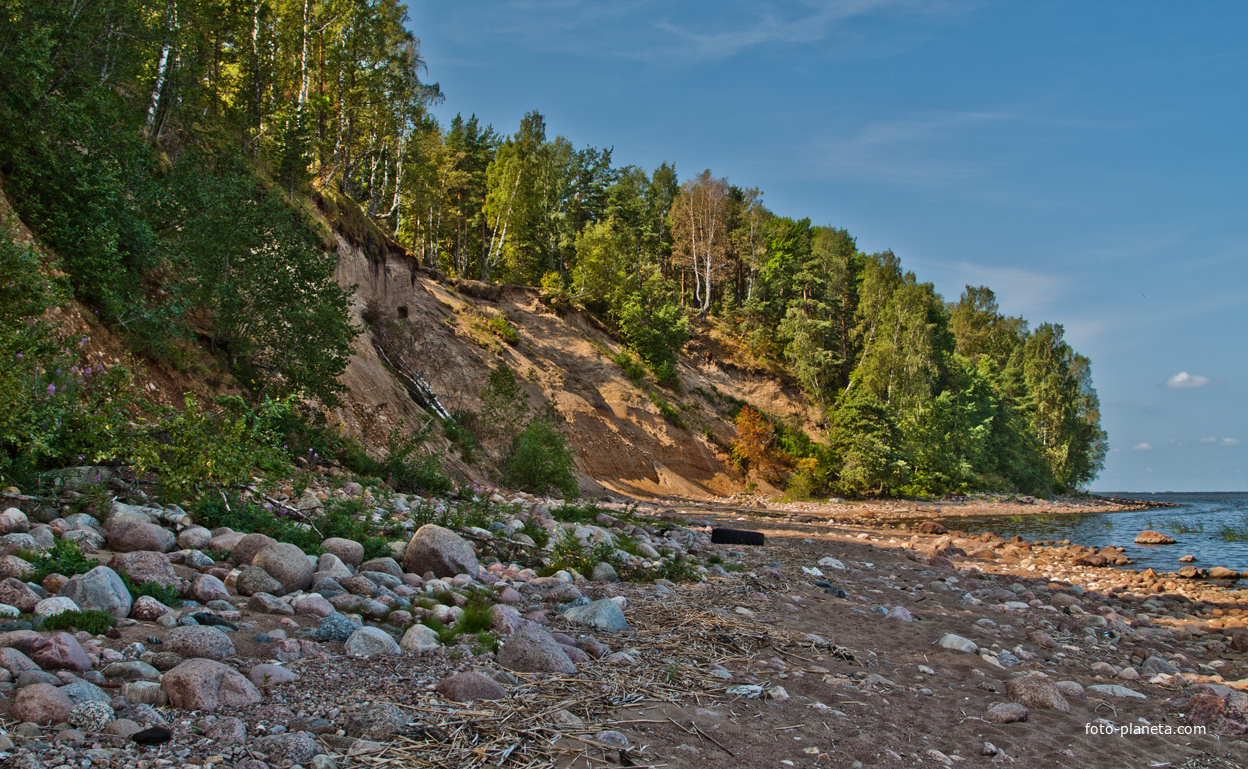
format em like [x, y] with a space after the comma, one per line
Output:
[409, 467]
[64, 558]
[667, 411]
[541, 460]
[166, 594]
[193, 449]
[93, 621]
[631, 368]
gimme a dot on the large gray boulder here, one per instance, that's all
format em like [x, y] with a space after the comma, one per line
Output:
[370, 642]
[604, 615]
[441, 551]
[531, 649]
[101, 588]
[287, 564]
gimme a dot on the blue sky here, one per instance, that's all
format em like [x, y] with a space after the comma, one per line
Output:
[1086, 160]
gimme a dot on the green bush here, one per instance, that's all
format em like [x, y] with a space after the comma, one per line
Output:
[667, 411]
[409, 467]
[64, 558]
[541, 460]
[631, 368]
[166, 594]
[92, 621]
[194, 449]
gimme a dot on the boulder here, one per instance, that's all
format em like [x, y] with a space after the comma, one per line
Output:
[50, 607]
[14, 521]
[146, 566]
[1035, 692]
[205, 588]
[335, 627]
[145, 693]
[15, 661]
[263, 603]
[194, 538]
[370, 642]
[1221, 572]
[198, 641]
[270, 675]
[313, 605]
[532, 649]
[958, 643]
[604, 615]
[420, 638]
[287, 564]
[42, 704]
[348, 551]
[17, 568]
[287, 749]
[330, 565]
[14, 592]
[383, 565]
[441, 551]
[245, 550]
[253, 579]
[61, 651]
[101, 588]
[470, 687]
[1153, 538]
[202, 684]
[130, 535]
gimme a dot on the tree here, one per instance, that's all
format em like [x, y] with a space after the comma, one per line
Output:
[697, 221]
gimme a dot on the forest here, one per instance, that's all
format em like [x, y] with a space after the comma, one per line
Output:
[170, 153]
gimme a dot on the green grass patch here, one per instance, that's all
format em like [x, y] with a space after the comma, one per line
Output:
[92, 621]
[166, 594]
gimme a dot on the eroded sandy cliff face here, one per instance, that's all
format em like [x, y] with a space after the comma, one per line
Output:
[622, 441]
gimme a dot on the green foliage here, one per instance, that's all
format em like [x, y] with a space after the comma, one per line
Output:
[212, 511]
[864, 437]
[93, 621]
[166, 594]
[541, 460]
[667, 411]
[410, 467]
[567, 513]
[64, 558]
[536, 532]
[194, 449]
[631, 368]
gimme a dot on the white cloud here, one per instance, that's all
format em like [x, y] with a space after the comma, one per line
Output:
[1208, 440]
[1142, 447]
[1230, 442]
[1184, 379]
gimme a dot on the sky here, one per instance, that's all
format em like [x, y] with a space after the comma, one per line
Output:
[1085, 160]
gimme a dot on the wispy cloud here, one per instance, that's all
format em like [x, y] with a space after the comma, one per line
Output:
[1142, 447]
[649, 30]
[1184, 380]
[1221, 441]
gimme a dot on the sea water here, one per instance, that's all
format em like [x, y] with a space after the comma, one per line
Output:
[1213, 526]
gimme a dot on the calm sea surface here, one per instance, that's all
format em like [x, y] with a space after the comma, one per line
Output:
[1201, 524]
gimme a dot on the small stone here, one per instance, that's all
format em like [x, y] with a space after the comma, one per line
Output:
[1036, 692]
[287, 564]
[202, 684]
[1006, 712]
[1153, 538]
[335, 627]
[91, 716]
[227, 729]
[470, 687]
[1115, 690]
[958, 643]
